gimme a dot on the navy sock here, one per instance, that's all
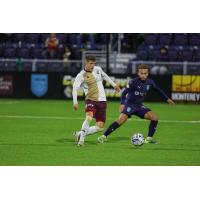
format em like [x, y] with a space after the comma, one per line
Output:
[152, 128]
[111, 128]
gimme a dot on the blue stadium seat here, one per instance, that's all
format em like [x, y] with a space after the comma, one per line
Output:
[151, 39]
[142, 55]
[194, 39]
[165, 38]
[36, 53]
[17, 37]
[32, 38]
[180, 39]
[9, 53]
[23, 53]
[62, 38]
[187, 55]
[196, 56]
[43, 37]
[172, 55]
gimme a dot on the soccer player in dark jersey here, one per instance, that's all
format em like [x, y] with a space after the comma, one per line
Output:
[132, 99]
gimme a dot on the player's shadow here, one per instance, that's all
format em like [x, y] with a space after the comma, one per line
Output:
[70, 140]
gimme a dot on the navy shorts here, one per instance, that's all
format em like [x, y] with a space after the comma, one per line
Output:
[139, 111]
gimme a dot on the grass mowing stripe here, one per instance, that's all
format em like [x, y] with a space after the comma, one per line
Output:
[81, 118]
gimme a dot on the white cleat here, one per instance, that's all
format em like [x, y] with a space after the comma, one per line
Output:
[102, 138]
[149, 140]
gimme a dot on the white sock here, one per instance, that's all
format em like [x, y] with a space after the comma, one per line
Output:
[86, 124]
[93, 129]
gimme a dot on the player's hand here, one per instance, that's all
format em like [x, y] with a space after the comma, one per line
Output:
[121, 108]
[169, 101]
[117, 88]
[76, 106]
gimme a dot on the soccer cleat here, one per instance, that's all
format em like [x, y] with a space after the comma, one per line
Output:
[102, 138]
[149, 140]
[76, 135]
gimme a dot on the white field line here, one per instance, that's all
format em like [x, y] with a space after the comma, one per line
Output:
[81, 118]
[9, 102]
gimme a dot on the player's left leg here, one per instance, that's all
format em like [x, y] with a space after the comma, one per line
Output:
[90, 109]
[152, 126]
[80, 135]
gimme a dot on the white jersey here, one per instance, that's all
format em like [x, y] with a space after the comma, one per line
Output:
[92, 84]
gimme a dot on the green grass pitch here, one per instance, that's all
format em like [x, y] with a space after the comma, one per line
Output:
[39, 133]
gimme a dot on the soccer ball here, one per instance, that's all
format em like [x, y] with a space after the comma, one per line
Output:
[137, 139]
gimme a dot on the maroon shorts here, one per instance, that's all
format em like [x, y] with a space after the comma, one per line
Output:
[98, 108]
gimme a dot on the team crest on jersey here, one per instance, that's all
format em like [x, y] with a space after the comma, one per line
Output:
[39, 84]
[148, 87]
[128, 109]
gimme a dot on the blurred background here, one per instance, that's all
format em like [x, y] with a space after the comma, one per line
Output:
[43, 65]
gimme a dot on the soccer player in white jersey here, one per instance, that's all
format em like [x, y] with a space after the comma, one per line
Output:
[90, 80]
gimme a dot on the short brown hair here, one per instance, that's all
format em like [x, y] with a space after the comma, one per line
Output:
[143, 66]
[90, 58]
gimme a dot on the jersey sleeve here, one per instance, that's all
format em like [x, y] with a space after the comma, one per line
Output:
[123, 95]
[107, 78]
[159, 90]
[130, 86]
[77, 83]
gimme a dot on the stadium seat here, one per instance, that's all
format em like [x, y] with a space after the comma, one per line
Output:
[172, 55]
[156, 55]
[43, 37]
[196, 56]
[142, 55]
[9, 53]
[17, 37]
[180, 39]
[151, 39]
[165, 39]
[62, 38]
[32, 38]
[23, 53]
[186, 55]
[194, 39]
[36, 53]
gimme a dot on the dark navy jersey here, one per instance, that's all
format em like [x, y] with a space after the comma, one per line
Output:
[137, 89]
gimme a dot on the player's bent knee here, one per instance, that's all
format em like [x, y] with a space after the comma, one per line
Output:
[154, 118]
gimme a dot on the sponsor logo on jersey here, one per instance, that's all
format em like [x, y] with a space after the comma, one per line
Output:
[128, 109]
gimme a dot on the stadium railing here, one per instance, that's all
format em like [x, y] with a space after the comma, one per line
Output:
[116, 67]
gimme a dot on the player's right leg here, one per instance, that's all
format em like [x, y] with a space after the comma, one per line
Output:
[152, 126]
[80, 136]
[122, 118]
